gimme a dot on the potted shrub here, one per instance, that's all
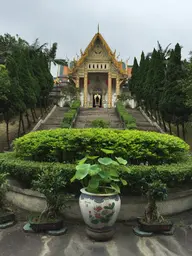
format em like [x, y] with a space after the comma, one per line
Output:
[7, 217]
[153, 221]
[99, 200]
[51, 184]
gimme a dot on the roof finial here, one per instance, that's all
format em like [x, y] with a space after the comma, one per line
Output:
[98, 28]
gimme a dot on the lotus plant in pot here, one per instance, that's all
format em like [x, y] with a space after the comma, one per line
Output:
[7, 217]
[153, 221]
[99, 200]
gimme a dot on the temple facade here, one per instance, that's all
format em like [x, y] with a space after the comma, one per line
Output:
[98, 74]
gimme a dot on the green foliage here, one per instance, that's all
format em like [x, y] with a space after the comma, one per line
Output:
[2, 190]
[52, 185]
[157, 190]
[159, 85]
[173, 175]
[127, 119]
[100, 176]
[76, 104]
[71, 114]
[99, 123]
[70, 145]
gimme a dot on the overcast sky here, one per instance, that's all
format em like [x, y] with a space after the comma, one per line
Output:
[129, 26]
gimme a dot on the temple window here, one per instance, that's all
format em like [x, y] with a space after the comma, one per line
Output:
[101, 66]
[93, 66]
[89, 66]
[97, 66]
[105, 66]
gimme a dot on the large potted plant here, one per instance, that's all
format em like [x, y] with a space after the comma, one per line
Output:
[99, 200]
[153, 221]
[7, 217]
[52, 185]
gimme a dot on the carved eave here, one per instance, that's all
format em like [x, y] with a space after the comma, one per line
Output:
[116, 63]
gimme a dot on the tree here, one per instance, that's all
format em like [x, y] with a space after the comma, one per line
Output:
[172, 103]
[5, 104]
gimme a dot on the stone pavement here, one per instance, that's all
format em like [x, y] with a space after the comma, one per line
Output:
[14, 242]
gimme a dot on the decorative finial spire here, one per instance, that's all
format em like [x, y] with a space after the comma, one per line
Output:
[98, 28]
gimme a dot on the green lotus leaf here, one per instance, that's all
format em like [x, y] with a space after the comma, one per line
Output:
[82, 171]
[115, 187]
[94, 169]
[107, 151]
[105, 161]
[93, 183]
[124, 182]
[121, 160]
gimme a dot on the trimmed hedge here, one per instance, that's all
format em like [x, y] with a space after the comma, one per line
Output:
[128, 120]
[174, 175]
[70, 145]
[70, 115]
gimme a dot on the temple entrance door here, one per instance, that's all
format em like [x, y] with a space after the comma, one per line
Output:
[97, 100]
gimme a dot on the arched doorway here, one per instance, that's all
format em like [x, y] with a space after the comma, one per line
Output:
[97, 100]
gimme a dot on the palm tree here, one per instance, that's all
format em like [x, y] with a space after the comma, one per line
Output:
[51, 55]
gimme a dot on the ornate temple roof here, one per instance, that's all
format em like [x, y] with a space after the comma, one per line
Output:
[118, 64]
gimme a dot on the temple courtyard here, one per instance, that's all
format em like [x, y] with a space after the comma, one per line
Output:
[14, 242]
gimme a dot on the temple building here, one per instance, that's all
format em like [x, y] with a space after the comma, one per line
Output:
[98, 74]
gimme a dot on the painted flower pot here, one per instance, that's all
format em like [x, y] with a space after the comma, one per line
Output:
[99, 211]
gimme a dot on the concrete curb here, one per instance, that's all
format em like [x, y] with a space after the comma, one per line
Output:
[50, 113]
[132, 206]
[155, 124]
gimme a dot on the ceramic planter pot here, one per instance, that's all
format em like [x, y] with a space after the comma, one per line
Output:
[99, 211]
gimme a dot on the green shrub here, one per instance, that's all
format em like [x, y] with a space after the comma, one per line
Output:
[76, 104]
[70, 115]
[69, 145]
[173, 175]
[99, 123]
[128, 120]
[2, 190]
[52, 185]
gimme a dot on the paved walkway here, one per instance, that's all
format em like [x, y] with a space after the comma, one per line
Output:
[14, 242]
[141, 122]
[55, 119]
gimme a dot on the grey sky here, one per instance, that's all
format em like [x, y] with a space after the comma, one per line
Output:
[129, 26]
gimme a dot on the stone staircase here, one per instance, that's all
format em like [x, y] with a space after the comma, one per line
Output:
[86, 116]
[142, 123]
[55, 120]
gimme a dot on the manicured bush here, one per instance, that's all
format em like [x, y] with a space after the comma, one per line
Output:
[173, 175]
[76, 104]
[69, 145]
[2, 190]
[128, 120]
[70, 115]
[99, 123]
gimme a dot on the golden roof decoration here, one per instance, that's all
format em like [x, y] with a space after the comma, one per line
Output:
[89, 47]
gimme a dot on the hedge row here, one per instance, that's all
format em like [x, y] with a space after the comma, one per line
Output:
[128, 120]
[70, 145]
[174, 175]
[70, 115]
